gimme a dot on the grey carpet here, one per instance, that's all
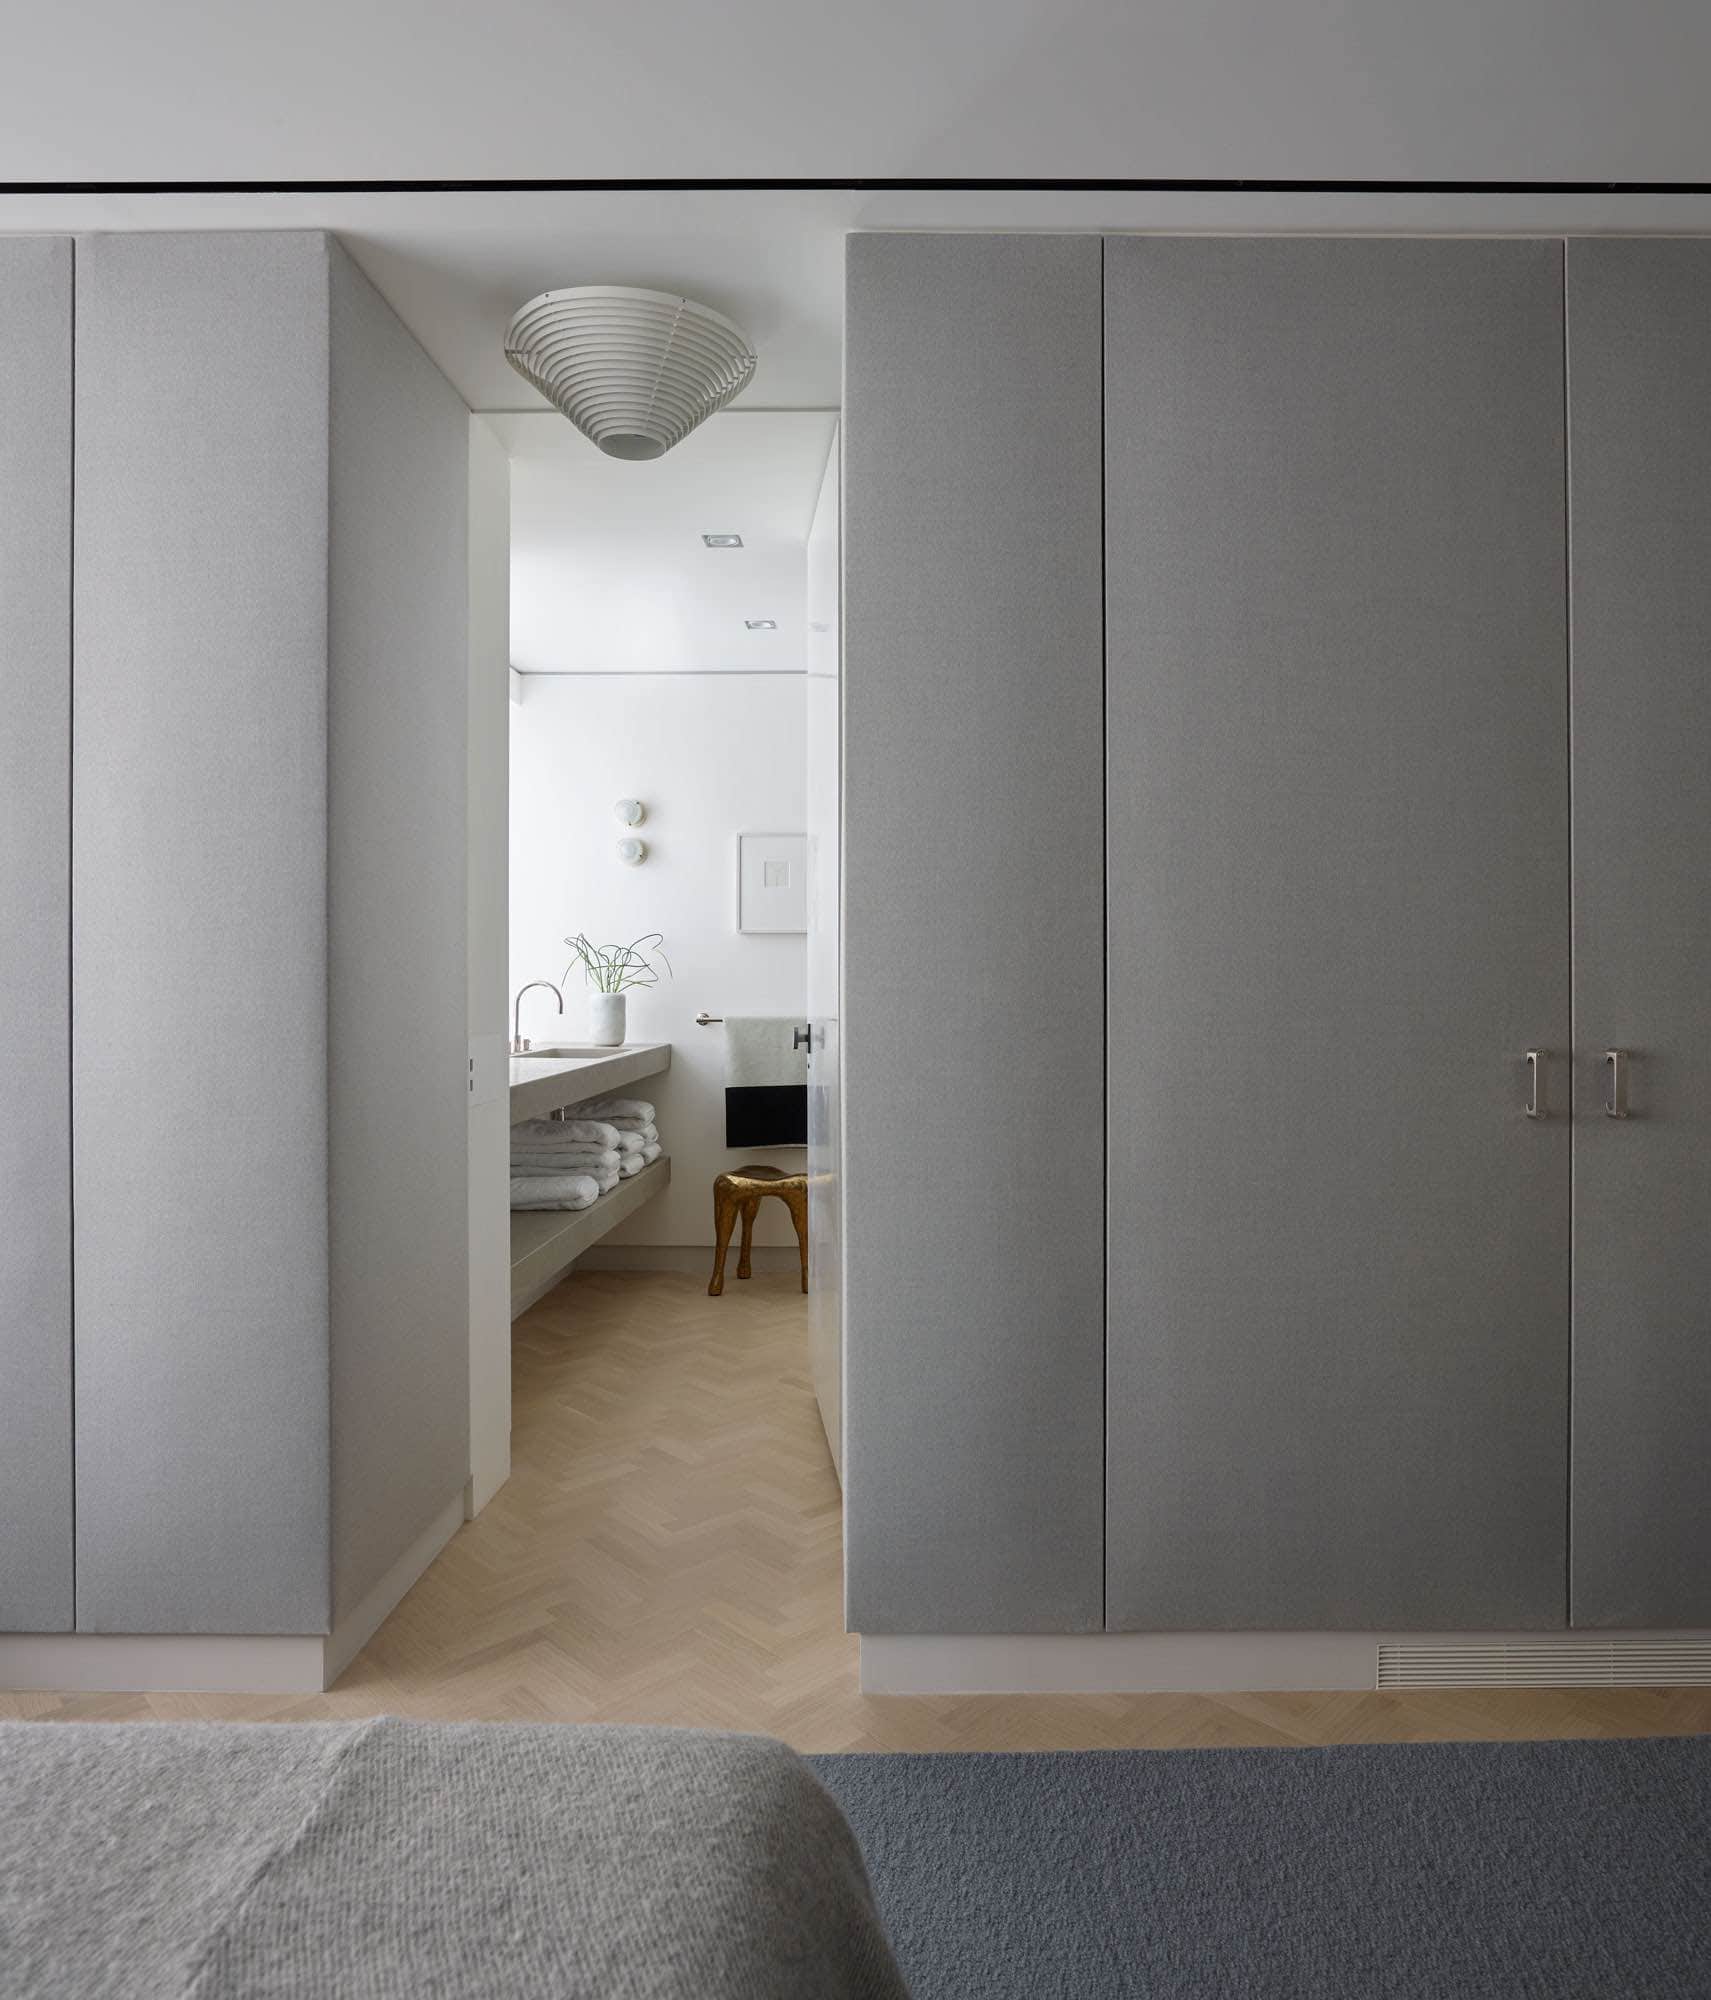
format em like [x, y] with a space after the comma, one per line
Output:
[1389, 1872]
[413, 1861]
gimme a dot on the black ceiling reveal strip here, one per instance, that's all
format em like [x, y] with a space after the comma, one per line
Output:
[873, 186]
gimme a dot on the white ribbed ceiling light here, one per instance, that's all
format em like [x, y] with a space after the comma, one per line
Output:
[635, 371]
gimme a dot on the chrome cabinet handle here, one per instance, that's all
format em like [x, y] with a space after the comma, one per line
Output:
[1536, 1084]
[1616, 1083]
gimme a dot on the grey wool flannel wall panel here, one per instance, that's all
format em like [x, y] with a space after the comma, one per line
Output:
[1338, 918]
[1640, 416]
[973, 933]
[35, 937]
[199, 936]
[398, 1138]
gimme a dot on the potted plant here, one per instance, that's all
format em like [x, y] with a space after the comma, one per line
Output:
[611, 970]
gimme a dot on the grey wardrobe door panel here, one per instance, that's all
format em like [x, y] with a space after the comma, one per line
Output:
[1640, 502]
[199, 933]
[1338, 876]
[973, 929]
[35, 937]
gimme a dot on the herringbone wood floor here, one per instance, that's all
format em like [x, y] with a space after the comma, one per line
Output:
[667, 1550]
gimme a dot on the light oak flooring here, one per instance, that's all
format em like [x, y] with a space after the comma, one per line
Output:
[667, 1551]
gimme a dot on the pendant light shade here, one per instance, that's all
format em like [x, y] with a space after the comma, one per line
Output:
[634, 371]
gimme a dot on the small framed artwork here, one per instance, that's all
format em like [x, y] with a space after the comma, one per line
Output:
[772, 881]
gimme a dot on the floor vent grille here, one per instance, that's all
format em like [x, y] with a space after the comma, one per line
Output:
[1598, 1663]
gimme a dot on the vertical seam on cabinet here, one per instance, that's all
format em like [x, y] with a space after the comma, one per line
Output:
[1104, 986]
[1573, 1020]
[70, 913]
[329, 269]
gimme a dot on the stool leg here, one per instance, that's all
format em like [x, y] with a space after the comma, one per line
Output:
[724, 1219]
[750, 1209]
[798, 1204]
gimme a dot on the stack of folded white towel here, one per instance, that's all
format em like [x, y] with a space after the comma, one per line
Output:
[572, 1162]
[632, 1119]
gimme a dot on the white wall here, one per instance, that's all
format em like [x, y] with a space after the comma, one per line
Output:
[608, 569]
[489, 838]
[710, 755]
[1459, 89]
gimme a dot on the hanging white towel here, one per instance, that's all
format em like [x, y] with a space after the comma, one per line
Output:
[766, 1081]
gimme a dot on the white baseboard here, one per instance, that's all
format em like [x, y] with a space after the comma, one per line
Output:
[696, 1258]
[478, 1490]
[217, 1662]
[1263, 1662]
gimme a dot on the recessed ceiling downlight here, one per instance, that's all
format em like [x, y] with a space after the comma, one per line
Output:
[634, 371]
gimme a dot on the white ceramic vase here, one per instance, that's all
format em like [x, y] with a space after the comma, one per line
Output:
[606, 1019]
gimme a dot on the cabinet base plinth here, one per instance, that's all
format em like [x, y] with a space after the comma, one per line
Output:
[1276, 1662]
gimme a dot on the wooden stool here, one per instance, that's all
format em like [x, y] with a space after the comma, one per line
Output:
[739, 1193]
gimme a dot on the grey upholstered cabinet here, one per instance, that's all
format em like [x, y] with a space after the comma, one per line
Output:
[1402, 1329]
[1338, 917]
[35, 941]
[973, 933]
[268, 1070]
[233, 651]
[1639, 362]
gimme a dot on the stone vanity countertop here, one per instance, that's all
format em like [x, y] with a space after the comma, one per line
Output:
[556, 1074]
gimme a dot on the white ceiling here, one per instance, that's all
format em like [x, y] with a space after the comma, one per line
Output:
[608, 570]
[902, 89]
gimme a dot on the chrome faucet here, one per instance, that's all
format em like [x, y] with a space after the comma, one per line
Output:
[519, 1047]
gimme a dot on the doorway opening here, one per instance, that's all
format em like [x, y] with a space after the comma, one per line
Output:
[671, 834]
